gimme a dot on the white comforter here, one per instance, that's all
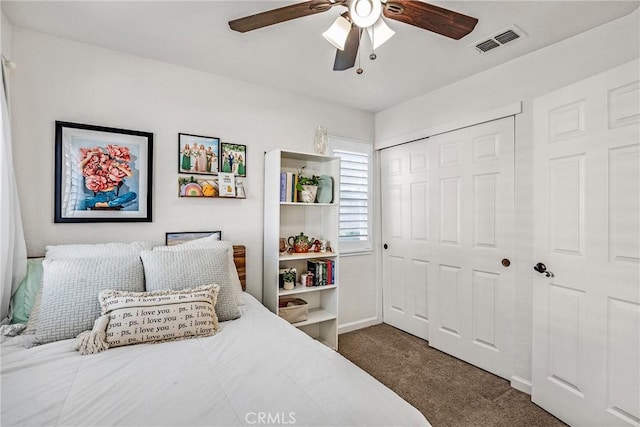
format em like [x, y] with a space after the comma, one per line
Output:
[256, 370]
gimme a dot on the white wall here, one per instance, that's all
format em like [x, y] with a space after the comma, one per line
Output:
[6, 34]
[523, 80]
[59, 79]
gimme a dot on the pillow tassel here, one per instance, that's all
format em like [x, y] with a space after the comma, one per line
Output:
[95, 340]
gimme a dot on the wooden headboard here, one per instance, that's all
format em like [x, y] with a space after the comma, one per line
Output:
[239, 255]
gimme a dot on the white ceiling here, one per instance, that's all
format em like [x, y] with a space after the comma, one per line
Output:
[294, 56]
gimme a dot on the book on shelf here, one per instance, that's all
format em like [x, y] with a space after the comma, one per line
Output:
[283, 187]
[323, 271]
[294, 191]
[226, 184]
[288, 184]
[331, 265]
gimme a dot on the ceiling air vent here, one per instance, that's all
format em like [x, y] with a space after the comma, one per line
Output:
[498, 39]
[487, 45]
[506, 37]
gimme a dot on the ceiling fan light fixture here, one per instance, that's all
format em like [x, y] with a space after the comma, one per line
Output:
[379, 33]
[365, 13]
[338, 32]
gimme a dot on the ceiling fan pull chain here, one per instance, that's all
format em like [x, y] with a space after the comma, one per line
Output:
[359, 70]
[373, 34]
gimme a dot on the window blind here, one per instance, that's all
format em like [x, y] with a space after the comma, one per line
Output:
[355, 195]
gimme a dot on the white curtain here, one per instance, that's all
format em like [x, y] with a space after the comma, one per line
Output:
[13, 249]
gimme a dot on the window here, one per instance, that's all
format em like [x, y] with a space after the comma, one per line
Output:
[355, 194]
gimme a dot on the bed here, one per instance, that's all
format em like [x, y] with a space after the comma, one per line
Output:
[257, 369]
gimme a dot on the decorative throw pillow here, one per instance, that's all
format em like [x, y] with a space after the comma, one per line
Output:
[70, 292]
[34, 316]
[211, 242]
[23, 299]
[137, 317]
[192, 267]
[98, 250]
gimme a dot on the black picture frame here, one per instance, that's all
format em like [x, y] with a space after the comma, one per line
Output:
[102, 174]
[203, 162]
[178, 237]
[237, 166]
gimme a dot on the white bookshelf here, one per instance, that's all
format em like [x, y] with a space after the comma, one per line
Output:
[317, 220]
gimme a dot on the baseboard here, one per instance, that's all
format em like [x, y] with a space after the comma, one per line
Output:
[521, 384]
[358, 324]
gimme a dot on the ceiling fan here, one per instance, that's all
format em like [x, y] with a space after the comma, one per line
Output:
[361, 15]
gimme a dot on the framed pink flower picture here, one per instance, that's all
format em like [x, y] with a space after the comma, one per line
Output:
[102, 174]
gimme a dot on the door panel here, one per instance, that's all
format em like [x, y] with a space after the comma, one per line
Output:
[485, 195]
[484, 313]
[624, 201]
[448, 301]
[419, 274]
[450, 211]
[586, 322]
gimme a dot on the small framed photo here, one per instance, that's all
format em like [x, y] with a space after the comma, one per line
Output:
[198, 154]
[233, 159]
[172, 239]
[102, 174]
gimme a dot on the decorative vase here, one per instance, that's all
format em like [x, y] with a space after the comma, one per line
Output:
[308, 194]
[283, 245]
[321, 140]
[288, 285]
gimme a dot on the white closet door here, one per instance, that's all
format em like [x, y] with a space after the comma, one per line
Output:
[405, 257]
[447, 214]
[586, 323]
[471, 222]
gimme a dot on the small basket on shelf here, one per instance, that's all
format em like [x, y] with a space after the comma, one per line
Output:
[293, 310]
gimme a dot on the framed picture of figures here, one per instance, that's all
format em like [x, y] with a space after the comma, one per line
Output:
[198, 154]
[233, 159]
[102, 174]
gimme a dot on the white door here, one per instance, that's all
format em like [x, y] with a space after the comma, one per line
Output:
[447, 217]
[586, 313]
[472, 219]
[405, 225]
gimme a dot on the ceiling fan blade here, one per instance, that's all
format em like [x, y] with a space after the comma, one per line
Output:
[282, 14]
[346, 58]
[430, 17]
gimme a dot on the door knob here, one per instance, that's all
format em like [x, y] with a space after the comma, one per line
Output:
[542, 269]
[506, 262]
[385, 246]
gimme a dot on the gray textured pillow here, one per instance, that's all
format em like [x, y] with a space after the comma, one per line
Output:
[211, 242]
[98, 250]
[34, 316]
[70, 292]
[190, 268]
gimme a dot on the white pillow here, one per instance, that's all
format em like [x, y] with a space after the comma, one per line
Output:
[70, 291]
[98, 250]
[211, 242]
[191, 268]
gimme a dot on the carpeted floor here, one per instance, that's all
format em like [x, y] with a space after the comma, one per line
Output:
[448, 391]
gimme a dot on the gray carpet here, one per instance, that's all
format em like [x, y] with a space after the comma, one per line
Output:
[448, 391]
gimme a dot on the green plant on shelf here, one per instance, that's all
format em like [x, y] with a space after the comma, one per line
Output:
[305, 180]
[289, 275]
